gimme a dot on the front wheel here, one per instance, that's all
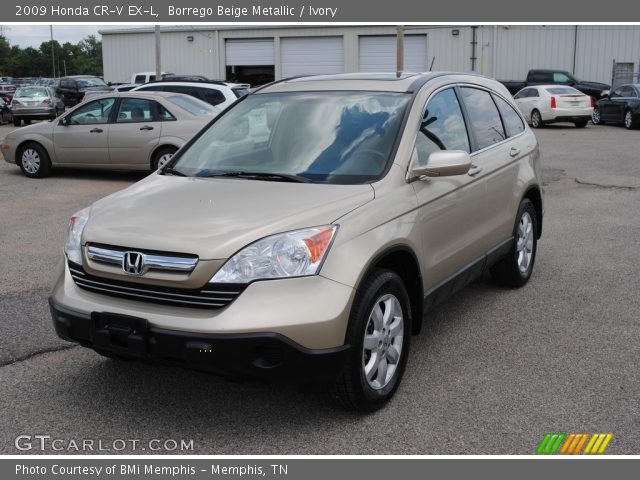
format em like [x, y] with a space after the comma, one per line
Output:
[596, 117]
[34, 161]
[379, 334]
[536, 119]
[515, 269]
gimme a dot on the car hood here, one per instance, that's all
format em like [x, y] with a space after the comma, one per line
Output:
[594, 85]
[213, 217]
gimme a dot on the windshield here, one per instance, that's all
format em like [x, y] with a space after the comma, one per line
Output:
[193, 105]
[91, 82]
[38, 92]
[329, 137]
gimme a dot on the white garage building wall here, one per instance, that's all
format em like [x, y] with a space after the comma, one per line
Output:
[515, 48]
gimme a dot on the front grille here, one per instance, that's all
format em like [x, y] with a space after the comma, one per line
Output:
[210, 296]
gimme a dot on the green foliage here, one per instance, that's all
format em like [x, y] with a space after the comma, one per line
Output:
[83, 58]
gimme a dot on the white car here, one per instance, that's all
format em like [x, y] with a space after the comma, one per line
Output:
[217, 93]
[544, 104]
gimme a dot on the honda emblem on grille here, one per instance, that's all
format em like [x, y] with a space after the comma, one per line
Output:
[133, 263]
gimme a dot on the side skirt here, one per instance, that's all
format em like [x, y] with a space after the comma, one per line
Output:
[458, 280]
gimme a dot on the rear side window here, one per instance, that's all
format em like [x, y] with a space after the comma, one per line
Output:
[212, 96]
[442, 126]
[512, 121]
[483, 116]
[134, 110]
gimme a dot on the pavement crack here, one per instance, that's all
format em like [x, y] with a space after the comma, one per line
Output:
[631, 184]
[35, 354]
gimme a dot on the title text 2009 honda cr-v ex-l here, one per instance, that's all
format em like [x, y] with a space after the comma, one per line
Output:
[303, 233]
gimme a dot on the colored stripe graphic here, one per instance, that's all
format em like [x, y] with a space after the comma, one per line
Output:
[550, 443]
[573, 442]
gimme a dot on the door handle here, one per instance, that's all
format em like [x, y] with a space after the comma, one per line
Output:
[96, 130]
[514, 151]
[146, 127]
[474, 170]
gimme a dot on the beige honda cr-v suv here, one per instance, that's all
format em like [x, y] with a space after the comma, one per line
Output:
[305, 232]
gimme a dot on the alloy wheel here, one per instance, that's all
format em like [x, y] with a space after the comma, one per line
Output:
[382, 346]
[524, 242]
[628, 119]
[595, 117]
[162, 161]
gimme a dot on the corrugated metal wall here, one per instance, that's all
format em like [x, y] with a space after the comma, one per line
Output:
[516, 48]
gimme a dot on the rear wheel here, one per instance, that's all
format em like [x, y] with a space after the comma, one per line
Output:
[581, 123]
[629, 121]
[379, 333]
[536, 119]
[34, 161]
[596, 117]
[515, 269]
[162, 156]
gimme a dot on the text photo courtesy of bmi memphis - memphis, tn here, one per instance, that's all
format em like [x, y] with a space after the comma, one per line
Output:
[271, 240]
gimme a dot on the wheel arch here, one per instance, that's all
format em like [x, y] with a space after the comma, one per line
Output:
[402, 260]
[535, 195]
[160, 146]
[27, 141]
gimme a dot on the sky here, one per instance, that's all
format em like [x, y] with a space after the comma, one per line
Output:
[34, 35]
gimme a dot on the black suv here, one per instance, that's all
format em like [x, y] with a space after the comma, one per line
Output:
[71, 89]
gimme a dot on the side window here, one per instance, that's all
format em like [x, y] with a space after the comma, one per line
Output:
[164, 114]
[522, 94]
[627, 92]
[512, 121]
[140, 79]
[134, 110]
[442, 126]
[616, 93]
[97, 111]
[533, 93]
[559, 77]
[153, 88]
[483, 116]
[212, 96]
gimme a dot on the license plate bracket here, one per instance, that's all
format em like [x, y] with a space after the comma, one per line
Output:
[120, 333]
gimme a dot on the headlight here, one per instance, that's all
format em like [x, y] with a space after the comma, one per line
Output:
[73, 246]
[290, 254]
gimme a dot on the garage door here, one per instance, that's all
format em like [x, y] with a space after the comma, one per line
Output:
[311, 56]
[378, 53]
[252, 51]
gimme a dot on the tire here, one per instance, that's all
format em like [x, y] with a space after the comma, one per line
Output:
[160, 157]
[629, 122]
[34, 160]
[536, 119]
[581, 123]
[27, 121]
[383, 291]
[514, 270]
[16, 122]
[596, 117]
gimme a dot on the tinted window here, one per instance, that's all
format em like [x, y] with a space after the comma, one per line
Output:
[329, 137]
[240, 92]
[442, 126]
[616, 93]
[139, 79]
[212, 96]
[628, 92]
[541, 77]
[559, 77]
[522, 93]
[563, 91]
[97, 111]
[193, 105]
[135, 110]
[153, 88]
[484, 117]
[512, 121]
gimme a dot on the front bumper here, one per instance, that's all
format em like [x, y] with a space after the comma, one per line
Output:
[305, 318]
[266, 356]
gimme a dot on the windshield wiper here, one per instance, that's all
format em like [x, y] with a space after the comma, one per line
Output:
[276, 177]
[173, 171]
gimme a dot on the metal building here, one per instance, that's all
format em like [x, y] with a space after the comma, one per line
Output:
[257, 54]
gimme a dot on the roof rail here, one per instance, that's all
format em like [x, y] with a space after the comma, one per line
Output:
[275, 82]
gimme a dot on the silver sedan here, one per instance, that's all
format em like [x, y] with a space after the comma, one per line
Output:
[120, 131]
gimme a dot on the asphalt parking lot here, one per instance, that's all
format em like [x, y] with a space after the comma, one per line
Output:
[493, 371]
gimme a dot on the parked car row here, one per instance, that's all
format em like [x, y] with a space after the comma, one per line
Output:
[545, 104]
[130, 130]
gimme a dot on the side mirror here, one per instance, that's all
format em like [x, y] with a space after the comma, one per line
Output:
[445, 163]
[606, 94]
[64, 121]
